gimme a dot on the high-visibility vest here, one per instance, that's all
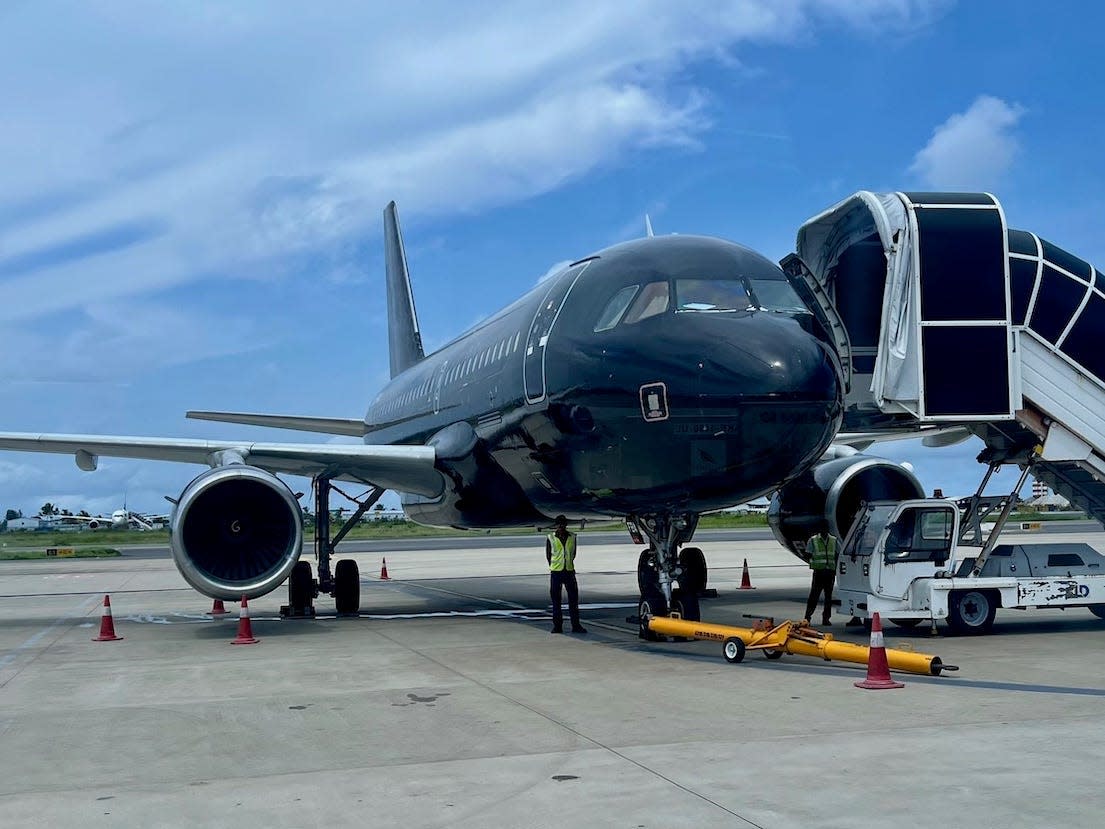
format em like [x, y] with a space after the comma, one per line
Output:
[563, 553]
[822, 552]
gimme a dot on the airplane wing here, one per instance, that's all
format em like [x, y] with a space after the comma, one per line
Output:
[931, 436]
[403, 468]
[326, 425]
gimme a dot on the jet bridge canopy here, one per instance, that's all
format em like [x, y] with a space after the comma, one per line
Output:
[921, 281]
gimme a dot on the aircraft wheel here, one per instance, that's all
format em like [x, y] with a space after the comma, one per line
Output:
[646, 575]
[1098, 610]
[651, 604]
[685, 602]
[693, 562]
[300, 587]
[347, 587]
[972, 612]
[907, 623]
[733, 650]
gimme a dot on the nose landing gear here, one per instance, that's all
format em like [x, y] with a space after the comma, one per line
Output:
[670, 581]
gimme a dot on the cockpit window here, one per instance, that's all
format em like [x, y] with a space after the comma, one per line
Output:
[776, 295]
[652, 300]
[614, 309]
[712, 295]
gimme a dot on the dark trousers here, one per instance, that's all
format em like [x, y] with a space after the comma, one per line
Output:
[566, 579]
[822, 582]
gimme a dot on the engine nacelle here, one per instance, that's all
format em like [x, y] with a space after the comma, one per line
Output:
[830, 494]
[236, 531]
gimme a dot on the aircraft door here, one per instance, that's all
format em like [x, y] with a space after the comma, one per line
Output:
[439, 381]
[533, 365]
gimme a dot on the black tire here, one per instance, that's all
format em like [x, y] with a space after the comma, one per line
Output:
[652, 604]
[347, 587]
[685, 602]
[693, 562]
[646, 574]
[1098, 610]
[907, 623]
[301, 588]
[773, 654]
[972, 612]
[733, 650]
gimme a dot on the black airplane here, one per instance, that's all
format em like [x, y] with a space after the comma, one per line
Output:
[653, 381]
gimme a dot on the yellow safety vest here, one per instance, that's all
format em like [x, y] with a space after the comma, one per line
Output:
[822, 553]
[563, 554]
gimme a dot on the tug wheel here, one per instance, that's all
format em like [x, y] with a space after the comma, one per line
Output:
[733, 650]
[972, 612]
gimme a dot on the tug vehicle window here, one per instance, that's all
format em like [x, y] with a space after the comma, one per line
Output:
[921, 535]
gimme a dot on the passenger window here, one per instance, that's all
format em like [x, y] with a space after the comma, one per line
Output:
[615, 308]
[652, 300]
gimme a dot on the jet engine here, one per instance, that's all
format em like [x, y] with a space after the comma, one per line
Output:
[830, 494]
[236, 530]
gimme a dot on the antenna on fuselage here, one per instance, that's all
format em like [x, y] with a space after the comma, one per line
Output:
[648, 227]
[404, 339]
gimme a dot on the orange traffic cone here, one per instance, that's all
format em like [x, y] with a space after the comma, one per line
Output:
[245, 629]
[107, 624]
[384, 571]
[746, 582]
[878, 671]
[217, 608]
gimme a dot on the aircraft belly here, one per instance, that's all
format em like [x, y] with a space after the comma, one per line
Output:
[708, 458]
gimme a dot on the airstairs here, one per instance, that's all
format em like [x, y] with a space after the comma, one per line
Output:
[945, 317]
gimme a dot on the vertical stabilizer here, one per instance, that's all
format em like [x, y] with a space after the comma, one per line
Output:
[404, 339]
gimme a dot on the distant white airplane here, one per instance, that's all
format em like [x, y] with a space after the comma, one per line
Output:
[121, 519]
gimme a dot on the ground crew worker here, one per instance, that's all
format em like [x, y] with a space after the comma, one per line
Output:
[822, 550]
[560, 551]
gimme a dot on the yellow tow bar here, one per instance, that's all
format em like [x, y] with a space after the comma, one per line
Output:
[794, 638]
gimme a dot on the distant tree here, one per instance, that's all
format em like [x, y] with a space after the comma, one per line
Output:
[48, 509]
[66, 512]
[84, 514]
[379, 508]
[12, 514]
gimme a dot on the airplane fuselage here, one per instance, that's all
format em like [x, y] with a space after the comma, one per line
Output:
[675, 373]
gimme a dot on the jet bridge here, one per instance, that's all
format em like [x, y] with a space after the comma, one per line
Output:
[943, 315]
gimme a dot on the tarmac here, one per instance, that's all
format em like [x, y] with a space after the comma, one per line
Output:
[449, 703]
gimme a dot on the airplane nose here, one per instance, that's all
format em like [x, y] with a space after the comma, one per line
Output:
[771, 357]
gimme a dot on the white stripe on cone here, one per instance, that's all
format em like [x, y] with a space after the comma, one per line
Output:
[876, 639]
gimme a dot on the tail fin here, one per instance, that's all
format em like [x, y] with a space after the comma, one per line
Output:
[404, 339]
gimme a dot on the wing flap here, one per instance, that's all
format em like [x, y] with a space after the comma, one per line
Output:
[401, 468]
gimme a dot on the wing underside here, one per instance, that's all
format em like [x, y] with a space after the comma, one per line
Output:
[402, 468]
[325, 425]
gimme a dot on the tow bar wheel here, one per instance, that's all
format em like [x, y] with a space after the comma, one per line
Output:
[733, 650]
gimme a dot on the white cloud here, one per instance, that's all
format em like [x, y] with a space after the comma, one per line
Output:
[138, 336]
[251, 134]
[972, 150]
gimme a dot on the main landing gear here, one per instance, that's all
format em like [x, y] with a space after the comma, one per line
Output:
[344, 583]
[670, 580]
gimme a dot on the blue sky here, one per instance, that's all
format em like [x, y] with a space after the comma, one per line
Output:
[191, 193]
